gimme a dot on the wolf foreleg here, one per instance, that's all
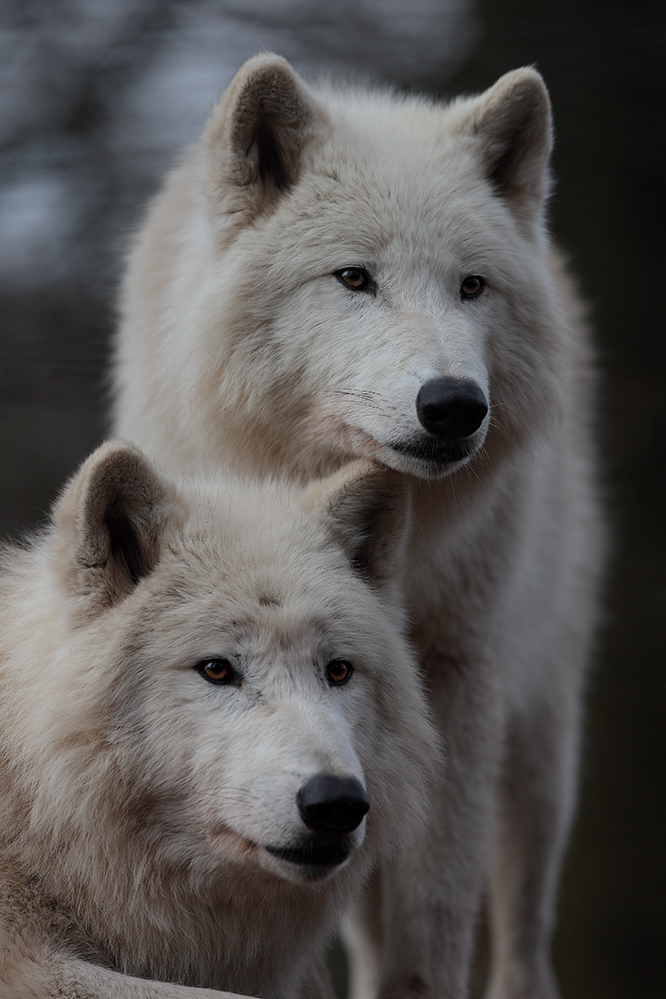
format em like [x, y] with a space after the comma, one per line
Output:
[536, 802]
[432, 897]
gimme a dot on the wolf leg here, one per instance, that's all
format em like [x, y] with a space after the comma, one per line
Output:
[362, 936]
[536, 801]
[433, 896]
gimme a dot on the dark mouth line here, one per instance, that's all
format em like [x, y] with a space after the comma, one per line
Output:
[432, 451]
[312, 854]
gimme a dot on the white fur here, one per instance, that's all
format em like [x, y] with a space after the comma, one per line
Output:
[240, 348]
[138, 798]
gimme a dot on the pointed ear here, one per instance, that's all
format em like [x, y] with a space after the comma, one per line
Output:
[110, 522]
[366, 507]
[256, 135]
[512, 122]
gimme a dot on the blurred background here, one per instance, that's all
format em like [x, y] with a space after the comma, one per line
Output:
[96, 97]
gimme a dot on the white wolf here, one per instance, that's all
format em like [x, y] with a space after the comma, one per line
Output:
[332, 273]
[203, 688]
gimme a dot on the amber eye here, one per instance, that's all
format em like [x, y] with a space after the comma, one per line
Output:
[472, 286]
[354, 277]
[217, 671]
[339, 671]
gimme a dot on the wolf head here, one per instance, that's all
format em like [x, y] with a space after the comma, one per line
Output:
[207, 700]
[337, 273]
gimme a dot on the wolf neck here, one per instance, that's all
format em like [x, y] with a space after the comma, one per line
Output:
[173, 930]
[120, 901]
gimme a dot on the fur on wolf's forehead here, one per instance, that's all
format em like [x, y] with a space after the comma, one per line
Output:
[373, 214]
[414, 145]
[265, 625]
[281, 564]
[294, 579]
[359, 118]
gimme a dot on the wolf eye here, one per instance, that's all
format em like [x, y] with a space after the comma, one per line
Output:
[472, 286]
[338, 672]
[354, 277]
[217, 671]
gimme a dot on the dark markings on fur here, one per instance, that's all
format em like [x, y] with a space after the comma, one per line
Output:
[266, 601]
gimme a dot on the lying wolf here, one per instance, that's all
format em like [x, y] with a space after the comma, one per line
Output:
[210, 731]
[334, 273]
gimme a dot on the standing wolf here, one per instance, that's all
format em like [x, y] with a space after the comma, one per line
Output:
[334, 273]
[210, 730]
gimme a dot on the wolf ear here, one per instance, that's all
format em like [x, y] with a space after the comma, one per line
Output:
[256, 135]
[366, 508]
[110, 522]
[512, 121]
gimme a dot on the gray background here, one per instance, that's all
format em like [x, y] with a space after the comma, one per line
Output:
[95, 98]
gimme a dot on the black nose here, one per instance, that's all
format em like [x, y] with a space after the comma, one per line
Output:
[451, 408]
[332, 804]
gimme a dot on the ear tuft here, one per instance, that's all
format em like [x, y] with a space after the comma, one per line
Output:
[110, 522]
[512, 120]
[366, 507]
[256, 136]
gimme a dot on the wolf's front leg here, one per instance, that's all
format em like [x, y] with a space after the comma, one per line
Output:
[432, 897]
[537, 796]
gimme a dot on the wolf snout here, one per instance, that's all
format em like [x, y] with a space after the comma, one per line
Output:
[330, 804]
[451, 408]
